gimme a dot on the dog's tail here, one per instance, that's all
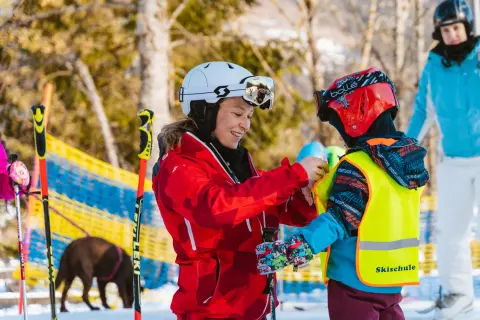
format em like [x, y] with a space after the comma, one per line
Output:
[62, 269]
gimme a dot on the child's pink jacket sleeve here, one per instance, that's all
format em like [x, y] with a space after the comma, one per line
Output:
[6, 189]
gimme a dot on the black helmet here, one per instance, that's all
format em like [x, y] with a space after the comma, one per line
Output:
[450, 12]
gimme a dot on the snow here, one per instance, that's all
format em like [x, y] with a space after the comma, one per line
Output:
[155, 306]
[155, 312]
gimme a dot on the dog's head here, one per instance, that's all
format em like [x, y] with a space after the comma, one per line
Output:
[130, 293]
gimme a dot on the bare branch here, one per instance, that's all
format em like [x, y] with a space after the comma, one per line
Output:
[428, 11]
[420, 37]
[357, 16]
[16, 5]
[49, 77]
[284, 14]
[283, 86]
[367, 46]
[285, 89]
[202, 39]
[361, 26]
[401, 15]
[379, 58]
[66, 10]
[308, 9]
[194, 37]
[295, 26]
[336, 11]
[97, 106]
[410, 47]
[176, 13]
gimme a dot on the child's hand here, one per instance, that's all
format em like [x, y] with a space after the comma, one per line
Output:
[307, 193]
[299, 252]
[271, 257]
[274, 256]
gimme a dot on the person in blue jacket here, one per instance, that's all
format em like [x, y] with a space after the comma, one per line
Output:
[313, 148]
[449, 94]
[316, 149]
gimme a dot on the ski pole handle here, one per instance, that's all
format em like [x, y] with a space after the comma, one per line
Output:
[12, 157]
[146, 120]
[38, 113]
[269, 234]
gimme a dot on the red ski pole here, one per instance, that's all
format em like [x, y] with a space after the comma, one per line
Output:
[23, 287]
[146, 120]
[38, 113]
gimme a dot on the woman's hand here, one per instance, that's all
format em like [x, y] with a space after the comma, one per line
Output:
[316, 169]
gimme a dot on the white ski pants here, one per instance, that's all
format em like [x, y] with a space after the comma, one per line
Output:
[458, 183]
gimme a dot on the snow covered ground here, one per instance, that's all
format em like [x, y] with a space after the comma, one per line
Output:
[154, 311]
[156, 303]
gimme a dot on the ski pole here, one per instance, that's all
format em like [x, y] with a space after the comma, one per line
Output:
[146, 122]
[269, 236]
[38, 113]
[23, 288]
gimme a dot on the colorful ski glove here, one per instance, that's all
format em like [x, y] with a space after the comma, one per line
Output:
[18, 173]
[274, 256]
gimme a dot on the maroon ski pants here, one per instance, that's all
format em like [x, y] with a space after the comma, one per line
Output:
[346, 303]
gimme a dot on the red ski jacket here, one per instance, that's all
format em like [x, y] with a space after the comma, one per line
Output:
[216, 225]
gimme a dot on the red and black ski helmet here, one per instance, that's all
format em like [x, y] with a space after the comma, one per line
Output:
[358, 99]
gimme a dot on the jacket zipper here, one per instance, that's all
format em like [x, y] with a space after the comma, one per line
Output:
[231, 175]
[233, 179]
[261, 232]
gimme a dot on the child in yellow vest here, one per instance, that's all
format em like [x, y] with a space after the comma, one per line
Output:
[367, 232]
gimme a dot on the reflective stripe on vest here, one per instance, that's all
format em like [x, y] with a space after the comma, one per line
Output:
[388, 235]
[391, 245]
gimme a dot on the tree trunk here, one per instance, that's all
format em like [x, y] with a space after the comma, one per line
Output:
[431, 138]
[401, 16]
[307, 7]
[316, 77]
[476, 14]
[367, 46]
[420, 36]
[153, 34]
[326, 134]
[97, 106]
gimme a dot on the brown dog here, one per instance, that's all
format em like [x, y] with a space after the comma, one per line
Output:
[95, 257]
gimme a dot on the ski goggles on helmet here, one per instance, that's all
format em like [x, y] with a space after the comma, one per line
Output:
[345, 86]
[257, 91]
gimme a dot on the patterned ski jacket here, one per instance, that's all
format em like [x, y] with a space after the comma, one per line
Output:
[6, 189]
[216, 225]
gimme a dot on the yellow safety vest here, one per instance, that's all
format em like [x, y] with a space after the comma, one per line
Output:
[388, 235]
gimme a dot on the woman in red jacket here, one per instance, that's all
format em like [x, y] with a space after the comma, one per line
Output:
[213, 201]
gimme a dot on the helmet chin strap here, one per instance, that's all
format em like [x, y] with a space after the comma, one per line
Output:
[205, 116]
[337, 123]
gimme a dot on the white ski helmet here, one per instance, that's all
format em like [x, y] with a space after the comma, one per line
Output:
[212, 81]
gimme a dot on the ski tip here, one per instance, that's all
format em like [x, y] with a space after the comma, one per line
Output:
[427, 310]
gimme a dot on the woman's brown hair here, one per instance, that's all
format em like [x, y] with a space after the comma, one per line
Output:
[172, 133]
